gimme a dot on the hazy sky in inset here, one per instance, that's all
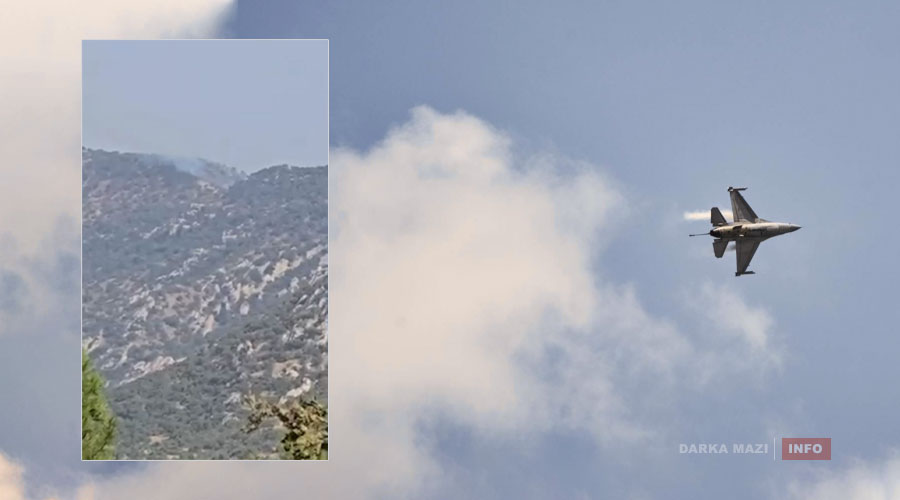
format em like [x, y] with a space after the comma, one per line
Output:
[246, 103]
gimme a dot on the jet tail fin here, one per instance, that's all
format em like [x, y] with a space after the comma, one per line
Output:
[719, 247]
[716, 218]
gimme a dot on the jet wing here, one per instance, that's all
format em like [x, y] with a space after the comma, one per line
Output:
[740, 209]
[745, 250]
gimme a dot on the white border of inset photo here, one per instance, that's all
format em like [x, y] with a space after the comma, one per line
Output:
[208, 169]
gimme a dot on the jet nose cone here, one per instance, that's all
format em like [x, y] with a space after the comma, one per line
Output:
[794, 227]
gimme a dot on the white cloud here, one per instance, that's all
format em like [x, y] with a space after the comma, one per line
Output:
[12, 483]
[704, 215]
[448, 262]
[12, 486]
[457, 276]
[445, 258]
[40, 45]
[860, 481]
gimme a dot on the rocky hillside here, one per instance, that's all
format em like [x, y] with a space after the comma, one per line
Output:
[201, 284]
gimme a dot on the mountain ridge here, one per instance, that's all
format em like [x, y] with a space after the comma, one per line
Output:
[196, 292]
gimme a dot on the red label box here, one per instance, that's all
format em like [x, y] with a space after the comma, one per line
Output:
[806, 448]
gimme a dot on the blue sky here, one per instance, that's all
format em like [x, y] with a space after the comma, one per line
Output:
[248, 104]
[645, 109]
[677, 101]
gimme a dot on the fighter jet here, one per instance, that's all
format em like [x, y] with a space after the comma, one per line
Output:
[747, 230]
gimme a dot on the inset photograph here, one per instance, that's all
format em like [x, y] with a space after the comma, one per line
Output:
[205, 250]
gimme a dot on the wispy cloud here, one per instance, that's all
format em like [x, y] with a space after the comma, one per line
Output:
[860, 480]
[12, 484]
[736, 337]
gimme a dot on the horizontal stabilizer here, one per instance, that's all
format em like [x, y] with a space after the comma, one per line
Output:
[746, 272]
[719, 247]
[716, 218]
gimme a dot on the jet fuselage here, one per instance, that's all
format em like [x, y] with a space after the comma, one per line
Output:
[760, 230]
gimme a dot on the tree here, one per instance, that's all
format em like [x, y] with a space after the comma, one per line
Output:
[98, 424]
[305, 423]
